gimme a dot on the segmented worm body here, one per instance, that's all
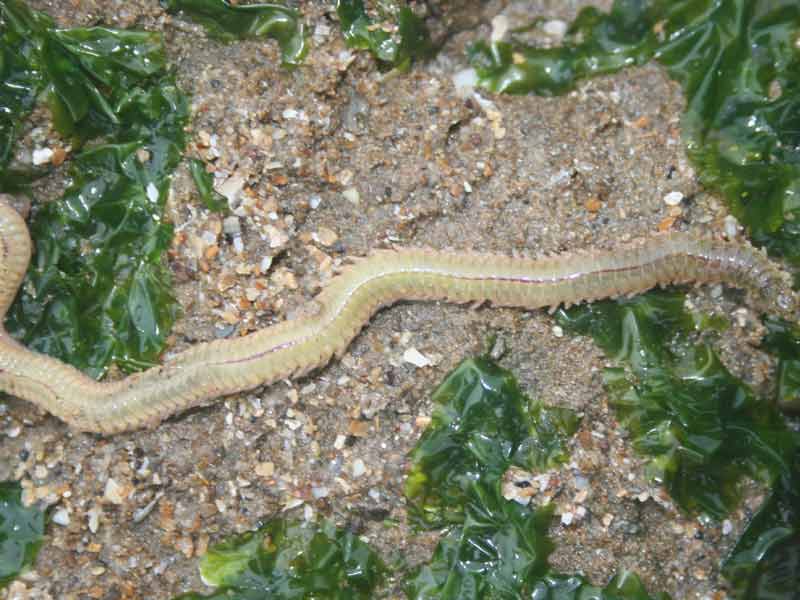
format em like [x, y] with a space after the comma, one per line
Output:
[292, 348]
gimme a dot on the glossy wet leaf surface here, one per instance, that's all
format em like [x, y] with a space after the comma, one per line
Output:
[411, 42]
[285, 560]
[97, 291]
[21, 532]
[20, 75]
[482, 425]
[765, 563]
[739, 66]
[783, 340]
[491, 547]
[228, 21]
[703, 428]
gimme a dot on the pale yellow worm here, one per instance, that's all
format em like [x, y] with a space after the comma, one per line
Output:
[292, 348]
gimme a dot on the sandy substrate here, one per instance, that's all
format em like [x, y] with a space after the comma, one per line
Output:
[334, 159]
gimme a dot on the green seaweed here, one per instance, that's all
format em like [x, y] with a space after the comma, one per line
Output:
[499, 550]
[204, 181]
[492, 548]
[412, 42]
[765, 563]
[703, 427]
[228, 22]
[20, 78]
[97, 291]
[482, 424]
[21, 532]
[595, 44]
[79, 69]
[783, 340]
[96, 77]
[286, 559]
[440, 581]
[739, 64]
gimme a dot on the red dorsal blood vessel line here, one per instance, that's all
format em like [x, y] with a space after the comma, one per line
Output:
[208, 371]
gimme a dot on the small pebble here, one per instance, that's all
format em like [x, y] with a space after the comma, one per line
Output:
[345, 176]
[555, 27]
[416, 358]
[140, 514]
[277, 237]
[61, 517]
[232, 188]
[326, 236]
[727, 527]
[231, 225]
[731, 227]
[93, 515]
[352, 195]
[113, 492]
[593, 204]
[465, 81]
[558, 331]
[208, 237]
[498, 349]
[265, 264]
[238, 244]
[359, 468]
[320, 492]
[673, 198]
[422, 421]
[265, 469]
[42, 156]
